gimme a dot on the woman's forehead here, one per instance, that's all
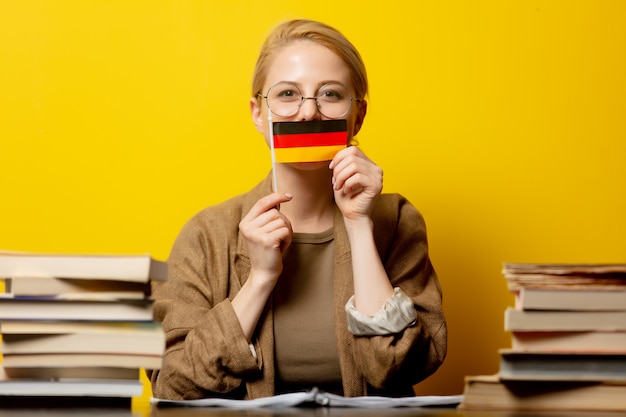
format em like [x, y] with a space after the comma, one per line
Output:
[306, 62]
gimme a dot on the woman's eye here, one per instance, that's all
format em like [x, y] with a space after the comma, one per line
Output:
[330, 95]
[287, 94]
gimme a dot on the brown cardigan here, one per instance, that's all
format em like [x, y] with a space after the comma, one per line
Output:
[207, 353]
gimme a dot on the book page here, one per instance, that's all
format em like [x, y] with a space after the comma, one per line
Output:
[316, 397]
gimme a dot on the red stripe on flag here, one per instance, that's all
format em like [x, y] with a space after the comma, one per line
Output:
[311, 139]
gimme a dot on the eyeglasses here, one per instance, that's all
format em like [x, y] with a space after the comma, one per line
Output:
[285, 98]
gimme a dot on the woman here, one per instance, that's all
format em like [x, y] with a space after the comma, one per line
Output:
[326, 282]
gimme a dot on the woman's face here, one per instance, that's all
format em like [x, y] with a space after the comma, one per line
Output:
[309, 66]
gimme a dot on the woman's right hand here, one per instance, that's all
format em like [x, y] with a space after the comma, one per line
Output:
[267, 233]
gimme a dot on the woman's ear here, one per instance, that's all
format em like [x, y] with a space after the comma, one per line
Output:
[256, 113]
[360, 116]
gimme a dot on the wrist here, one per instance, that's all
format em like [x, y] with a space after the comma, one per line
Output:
[261, 281]
[359, 227]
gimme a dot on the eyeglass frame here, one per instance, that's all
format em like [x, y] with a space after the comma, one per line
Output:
[303, 97]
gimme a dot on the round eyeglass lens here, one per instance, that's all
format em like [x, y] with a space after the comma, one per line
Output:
[284, 99]
[333, 100]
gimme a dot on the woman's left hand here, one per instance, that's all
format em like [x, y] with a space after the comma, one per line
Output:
[357, 181]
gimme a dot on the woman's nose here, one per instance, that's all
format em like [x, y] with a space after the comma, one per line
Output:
[308, 109]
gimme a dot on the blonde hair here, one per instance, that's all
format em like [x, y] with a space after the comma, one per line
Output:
[301, 29]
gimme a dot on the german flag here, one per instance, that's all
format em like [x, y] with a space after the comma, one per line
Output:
[317, 140]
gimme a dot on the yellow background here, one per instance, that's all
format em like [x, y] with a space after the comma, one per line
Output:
[502, 121]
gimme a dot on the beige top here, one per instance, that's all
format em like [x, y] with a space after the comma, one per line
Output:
[305, 344]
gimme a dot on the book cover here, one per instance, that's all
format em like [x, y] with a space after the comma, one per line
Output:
[138, 268]
[541, 321]
[34, 360]
[552, 366]
[140, 340]
[37, 308]
[43, 327]
[73, 372]
[571, 299]
[76, 288]
[488, 392]
[71, 388]
[585, 341]
[564, 268]
[573, 276]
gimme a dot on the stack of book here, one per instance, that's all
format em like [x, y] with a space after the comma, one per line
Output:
[568, 349]
[78, 326]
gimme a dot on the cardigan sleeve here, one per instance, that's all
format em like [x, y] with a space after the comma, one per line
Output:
[394, 316]
[388, 362]
[206, 353]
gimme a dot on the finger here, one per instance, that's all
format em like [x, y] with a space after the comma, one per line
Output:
[351, 163]
[342, 173]
[266, 222]
[276, 222]
[277, 234]
[348, 152]
[350, 166]
[353, 185]
[356, 178]
[285, 238]
[268, 202]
